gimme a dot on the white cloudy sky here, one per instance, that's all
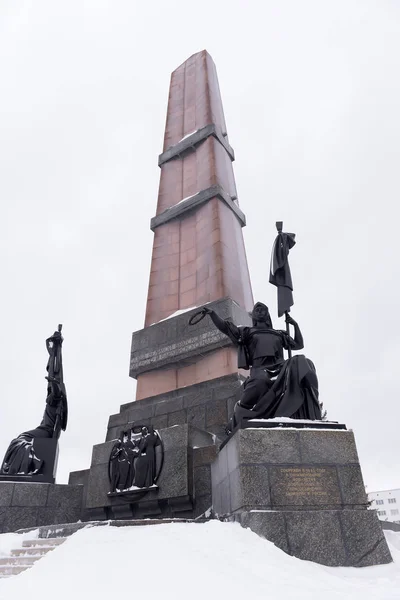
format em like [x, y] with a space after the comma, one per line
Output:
[311, 94]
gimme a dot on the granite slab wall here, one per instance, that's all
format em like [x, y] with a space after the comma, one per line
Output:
[301, 489]
[24, 505]
[207, 405]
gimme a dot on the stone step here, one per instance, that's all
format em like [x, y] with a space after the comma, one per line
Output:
[24, 558]
[43, 542]
[19, 560]
[35, 551]
[51, 532]
[8, 570]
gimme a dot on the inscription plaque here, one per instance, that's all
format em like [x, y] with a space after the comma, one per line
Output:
[304, 485]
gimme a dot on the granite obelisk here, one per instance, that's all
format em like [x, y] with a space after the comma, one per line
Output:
[198, 250]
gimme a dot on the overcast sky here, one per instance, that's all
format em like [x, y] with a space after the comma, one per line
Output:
[311, 96]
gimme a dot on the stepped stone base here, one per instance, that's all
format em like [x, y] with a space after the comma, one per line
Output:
[191, 424]
[207, 405]
[68, 529]
[303, 490]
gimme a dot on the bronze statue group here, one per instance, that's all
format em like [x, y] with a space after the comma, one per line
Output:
[276, 387]
[133, 460]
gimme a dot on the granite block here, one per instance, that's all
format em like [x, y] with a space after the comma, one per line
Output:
[30, 494]
[199, 438]
[160, 422]
[216, 498]
[216, 413]
[236, 493]
[78, 477]
[231, 403]
[99, 513]
[202, 480]
[202, 505]
[16, 517]
[216, 478]
[254, 482]
[6, 493]
[317, 536]
[101, 453]
[150, 337]
[365, 541]
[149, 401]
[142, 422]
[3, 511]
[198, 394]
[352, 484]
[118, 420]
[65, 496]
[113, 433]
[168, 406]
[204, 456]
[140, 412]
[196, 416]
[269, 446]
[177, 418]
[226, 498]
[146, 509]
[218, 431]
[329, 447]
[267, 524]
[98, 487]
[54, 516]
[220, 465]
[174, 476]
[228, 390]
[122, 511]
[249, 488]
[175, 437]
[232, 453]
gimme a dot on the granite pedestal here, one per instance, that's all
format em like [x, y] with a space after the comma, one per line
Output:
[303, 490]
[35, 504]
[183, 488]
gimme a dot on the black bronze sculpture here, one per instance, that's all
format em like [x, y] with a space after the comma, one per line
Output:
[276, 387]
[122, 471]
[136, 460]
[21, 458]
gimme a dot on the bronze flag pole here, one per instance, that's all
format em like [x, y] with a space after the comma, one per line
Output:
[280, 275]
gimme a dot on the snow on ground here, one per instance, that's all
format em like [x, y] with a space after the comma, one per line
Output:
[11, 541]
[193, 562]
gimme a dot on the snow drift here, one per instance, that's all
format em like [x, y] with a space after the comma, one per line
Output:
[192, 561]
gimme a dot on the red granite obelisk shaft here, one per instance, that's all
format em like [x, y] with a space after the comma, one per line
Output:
[199, 256]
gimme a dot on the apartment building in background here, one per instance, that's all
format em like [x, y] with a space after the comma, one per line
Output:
[387, 504]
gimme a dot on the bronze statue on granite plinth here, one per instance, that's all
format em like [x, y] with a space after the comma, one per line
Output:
[21, 458]
[275, 387]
